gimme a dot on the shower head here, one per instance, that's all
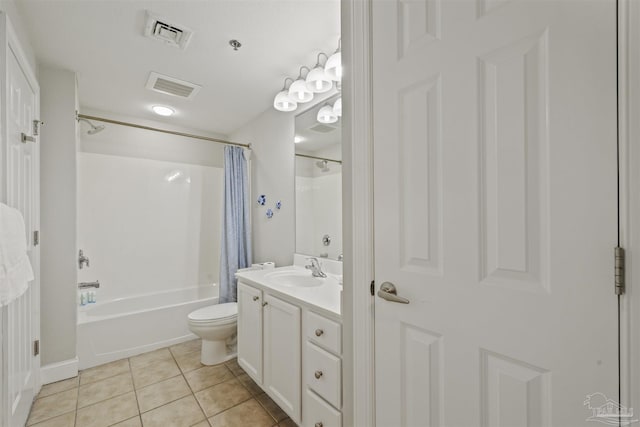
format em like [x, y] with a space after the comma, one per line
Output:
[94, 129]
[323, 165]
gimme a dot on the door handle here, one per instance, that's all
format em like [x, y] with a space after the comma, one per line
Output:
[26, 138]
[388, 291]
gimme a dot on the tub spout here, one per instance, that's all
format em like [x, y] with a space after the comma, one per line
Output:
[85, 285]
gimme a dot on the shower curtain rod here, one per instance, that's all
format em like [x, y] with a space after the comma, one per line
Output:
[171, 132]
[318, 158]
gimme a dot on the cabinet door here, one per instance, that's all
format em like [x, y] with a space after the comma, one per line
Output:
[250, 331]
[282, 354]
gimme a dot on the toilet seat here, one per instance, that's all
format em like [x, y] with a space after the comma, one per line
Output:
[215, 314]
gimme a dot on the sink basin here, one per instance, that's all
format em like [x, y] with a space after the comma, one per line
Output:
[302, 279]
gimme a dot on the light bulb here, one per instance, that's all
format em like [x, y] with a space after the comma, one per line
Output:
[283, 102]
[326, 115]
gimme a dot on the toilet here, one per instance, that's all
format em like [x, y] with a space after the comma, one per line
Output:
[216, 325]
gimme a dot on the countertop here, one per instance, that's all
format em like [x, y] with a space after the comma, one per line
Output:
[325, 299]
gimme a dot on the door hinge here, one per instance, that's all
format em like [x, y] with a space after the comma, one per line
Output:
[36, 127]
[372, 287]
[619, 270]
[36, 348]
[36, 238]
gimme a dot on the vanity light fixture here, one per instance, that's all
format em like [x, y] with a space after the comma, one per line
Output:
[298, 91]
[283, 101]
[326, 115]
[337, 107]
[162, 110]
[333, 66]
[317, 80]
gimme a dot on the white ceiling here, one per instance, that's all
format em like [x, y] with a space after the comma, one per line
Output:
[103, 42]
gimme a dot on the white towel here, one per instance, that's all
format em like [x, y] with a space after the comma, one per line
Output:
[15, 268]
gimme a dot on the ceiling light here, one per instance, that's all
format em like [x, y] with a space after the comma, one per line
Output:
[283, 101]
[326, 115]
[333, 66]
[317, 80]
[162, 110]
[297, 139]
[337, 107]
[298, 91]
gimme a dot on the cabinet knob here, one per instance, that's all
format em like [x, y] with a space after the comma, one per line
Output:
[318, 425]
[264, 303]
[318, 374]
[319, 332]
[256, 298]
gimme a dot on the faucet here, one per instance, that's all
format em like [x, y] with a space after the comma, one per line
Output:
[82, 260]
[316, 270]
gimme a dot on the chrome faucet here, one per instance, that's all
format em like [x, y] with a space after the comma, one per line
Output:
[85, 285]
[82, 260]
[316, 269]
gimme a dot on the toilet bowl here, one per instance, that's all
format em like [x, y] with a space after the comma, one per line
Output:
[216, 325]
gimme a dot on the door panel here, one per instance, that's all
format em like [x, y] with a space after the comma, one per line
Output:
[495, 210]
[22, 194]
[250, 331]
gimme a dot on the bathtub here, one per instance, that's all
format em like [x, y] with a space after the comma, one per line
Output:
[124, 327]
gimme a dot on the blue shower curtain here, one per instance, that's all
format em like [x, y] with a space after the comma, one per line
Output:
[236, 232]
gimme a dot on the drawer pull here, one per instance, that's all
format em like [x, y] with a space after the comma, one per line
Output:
[318, 374]
[319, 332]
[264, 303]
[256, 298]
[318, 425]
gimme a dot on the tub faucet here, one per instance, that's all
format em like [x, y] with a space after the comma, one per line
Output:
[316, 269]
[82, 260]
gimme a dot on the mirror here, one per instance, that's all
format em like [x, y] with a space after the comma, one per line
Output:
[318, 184]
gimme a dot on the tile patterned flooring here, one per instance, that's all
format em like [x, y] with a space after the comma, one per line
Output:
[163, 388]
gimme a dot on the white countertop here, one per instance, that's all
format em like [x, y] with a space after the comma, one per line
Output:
[324, 298]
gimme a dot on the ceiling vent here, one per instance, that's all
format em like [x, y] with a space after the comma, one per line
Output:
[172, 86]
[322, 128]
[170, 33]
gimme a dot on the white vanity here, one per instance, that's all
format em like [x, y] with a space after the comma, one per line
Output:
[290, 339]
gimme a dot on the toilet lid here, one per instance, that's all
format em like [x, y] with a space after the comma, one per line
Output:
[215, 312]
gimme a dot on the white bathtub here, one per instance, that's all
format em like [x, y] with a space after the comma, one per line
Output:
[121, 328]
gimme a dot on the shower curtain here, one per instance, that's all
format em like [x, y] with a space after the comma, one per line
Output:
[236, 229]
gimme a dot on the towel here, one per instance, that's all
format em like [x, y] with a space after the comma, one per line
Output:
[15, 268]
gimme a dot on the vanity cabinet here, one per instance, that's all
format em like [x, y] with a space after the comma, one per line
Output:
[269, 346]
[293, 353]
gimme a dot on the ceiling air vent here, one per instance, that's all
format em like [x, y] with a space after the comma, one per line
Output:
[172, 86]
[322, 128]
[162, 29]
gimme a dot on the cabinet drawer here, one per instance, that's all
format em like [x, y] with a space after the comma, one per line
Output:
[318, 413]
[323, 374]
[324, 332]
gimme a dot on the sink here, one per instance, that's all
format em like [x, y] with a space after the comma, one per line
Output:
[302, 279]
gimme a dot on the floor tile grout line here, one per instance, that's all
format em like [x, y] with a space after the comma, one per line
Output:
[189, 387]
[135, 390]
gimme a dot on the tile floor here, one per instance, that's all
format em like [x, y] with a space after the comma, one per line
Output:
[165, 388]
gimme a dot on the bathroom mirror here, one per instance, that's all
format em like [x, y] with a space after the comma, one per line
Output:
[318, 182]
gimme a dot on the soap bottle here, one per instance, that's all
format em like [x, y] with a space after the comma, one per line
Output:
[83, 298]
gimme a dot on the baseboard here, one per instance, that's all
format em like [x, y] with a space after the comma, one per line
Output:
[59, 371]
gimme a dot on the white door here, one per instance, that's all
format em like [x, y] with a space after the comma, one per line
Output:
[282, 354]
[495, 210]
[22, 319]
[250, 331]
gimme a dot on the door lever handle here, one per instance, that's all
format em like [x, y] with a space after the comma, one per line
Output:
[388, 292]
[26, 138]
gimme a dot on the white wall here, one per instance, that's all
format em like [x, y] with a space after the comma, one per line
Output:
[148, 225]
[58, 215]
[271, 134]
